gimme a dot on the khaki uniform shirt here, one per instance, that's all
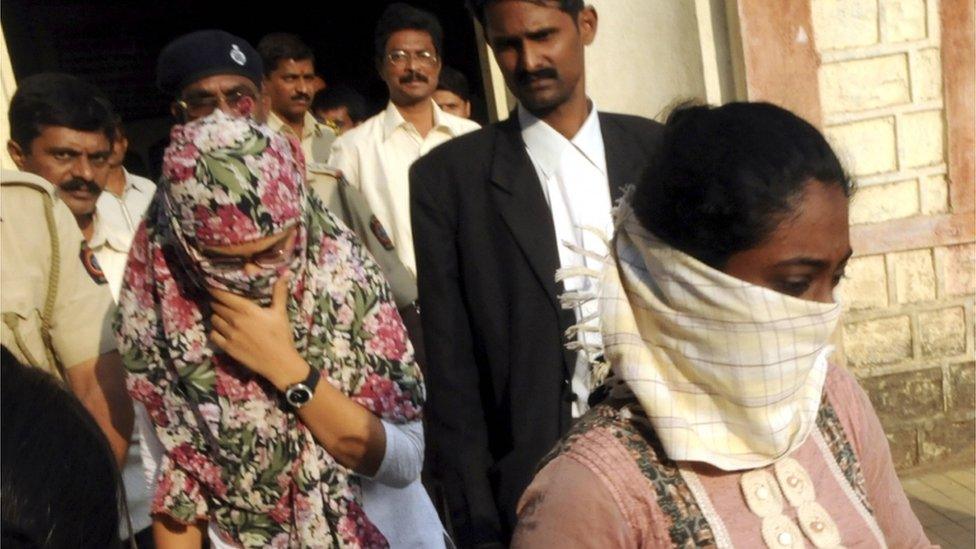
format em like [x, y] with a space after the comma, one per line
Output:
[82, 313]
[349, 205]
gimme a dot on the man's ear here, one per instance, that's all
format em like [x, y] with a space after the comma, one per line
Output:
[587, 20]
[17, 154]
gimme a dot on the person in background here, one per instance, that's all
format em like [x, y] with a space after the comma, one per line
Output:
[318, 84]
[376, 156]
[57, 308]
[453, 95]
[725, 421]
[59, 485]
[289, 77]
[495, 214]
[118, 212]
[265, 345]
[213, 70]
[341, 106]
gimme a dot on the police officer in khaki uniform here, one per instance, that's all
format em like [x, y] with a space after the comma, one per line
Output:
[56, 317]
[206, 70]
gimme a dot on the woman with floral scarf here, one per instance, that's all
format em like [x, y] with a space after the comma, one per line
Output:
[723, 423]
[268, 352]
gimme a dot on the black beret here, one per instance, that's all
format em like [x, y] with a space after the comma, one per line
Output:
[205, 53]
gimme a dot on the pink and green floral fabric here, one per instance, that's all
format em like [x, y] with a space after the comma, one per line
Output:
[236, 455]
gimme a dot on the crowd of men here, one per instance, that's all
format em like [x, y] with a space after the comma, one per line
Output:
[468, 224]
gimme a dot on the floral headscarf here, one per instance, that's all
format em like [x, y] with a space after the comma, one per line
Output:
[236, 454]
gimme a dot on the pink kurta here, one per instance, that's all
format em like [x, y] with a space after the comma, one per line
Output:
[594, 494]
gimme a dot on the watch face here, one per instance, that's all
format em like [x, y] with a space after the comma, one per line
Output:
[298, 395]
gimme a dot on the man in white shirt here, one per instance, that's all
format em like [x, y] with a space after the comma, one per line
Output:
[118, 213]
[376, 156]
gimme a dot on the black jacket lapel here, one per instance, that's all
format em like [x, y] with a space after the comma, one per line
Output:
[623, 156]
[519, 198]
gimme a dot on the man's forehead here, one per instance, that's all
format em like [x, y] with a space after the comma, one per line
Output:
[447, 96]
[518, 17]
[63, 137]
[219, 83]
[409, 39]
[292, 66]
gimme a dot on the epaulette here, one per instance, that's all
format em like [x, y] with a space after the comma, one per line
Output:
[24, 179]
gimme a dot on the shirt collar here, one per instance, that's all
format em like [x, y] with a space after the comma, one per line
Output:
[546, 146]
[102, 236]
[392, 120]
[137, 183]
[277, 124]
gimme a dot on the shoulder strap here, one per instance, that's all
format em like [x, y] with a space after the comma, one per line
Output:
[55, 273]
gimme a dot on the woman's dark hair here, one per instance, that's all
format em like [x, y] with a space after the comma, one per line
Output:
[399, 16]
[59, 483]
[56, 99]
[724, 177]
[571, 7]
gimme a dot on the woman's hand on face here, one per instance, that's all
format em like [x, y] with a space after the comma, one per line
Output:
[258, 337]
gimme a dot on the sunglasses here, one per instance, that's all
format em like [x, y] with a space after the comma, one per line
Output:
[198, 106]
[276, 255]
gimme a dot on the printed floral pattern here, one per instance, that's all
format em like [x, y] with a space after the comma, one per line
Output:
[236, 454]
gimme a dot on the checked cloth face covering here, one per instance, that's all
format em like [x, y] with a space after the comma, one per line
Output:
[729, 373]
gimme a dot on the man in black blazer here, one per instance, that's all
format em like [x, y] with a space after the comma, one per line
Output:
[500, 379]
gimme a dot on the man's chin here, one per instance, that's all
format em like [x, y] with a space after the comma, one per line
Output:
[540, 103]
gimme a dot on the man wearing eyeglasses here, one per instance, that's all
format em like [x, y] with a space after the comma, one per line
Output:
[212, 69]
[376, 155]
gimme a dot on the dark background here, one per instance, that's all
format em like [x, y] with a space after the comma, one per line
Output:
[114, 44]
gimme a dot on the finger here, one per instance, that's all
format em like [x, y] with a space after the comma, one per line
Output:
[224, 311]
[221, 326]
[231, 300]
[218, 340]
[279, 297]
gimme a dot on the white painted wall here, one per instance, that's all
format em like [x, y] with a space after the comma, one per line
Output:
[650, 53]
[8, 86]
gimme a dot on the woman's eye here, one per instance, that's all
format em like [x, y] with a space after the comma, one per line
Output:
[794, 287]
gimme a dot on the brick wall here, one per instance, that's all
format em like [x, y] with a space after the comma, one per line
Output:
[908, 331]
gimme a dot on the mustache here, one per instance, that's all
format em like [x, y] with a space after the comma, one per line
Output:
[413, 76]
[526, 77]
[302, 96]
[78, 184]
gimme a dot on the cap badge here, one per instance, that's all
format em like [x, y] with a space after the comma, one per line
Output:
[237, 55]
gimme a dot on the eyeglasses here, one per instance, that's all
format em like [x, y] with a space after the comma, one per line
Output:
[280, 253]
[198, 106]
[399, 58]
[270, 258]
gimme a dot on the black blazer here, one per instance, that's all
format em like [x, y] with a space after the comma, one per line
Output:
[498, 372]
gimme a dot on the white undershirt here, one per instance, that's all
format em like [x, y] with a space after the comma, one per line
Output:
[574, 180]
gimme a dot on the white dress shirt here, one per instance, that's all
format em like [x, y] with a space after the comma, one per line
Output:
[376, 157]
[573, 173]
[116, 221]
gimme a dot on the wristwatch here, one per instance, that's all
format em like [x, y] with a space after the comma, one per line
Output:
[298, 394]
